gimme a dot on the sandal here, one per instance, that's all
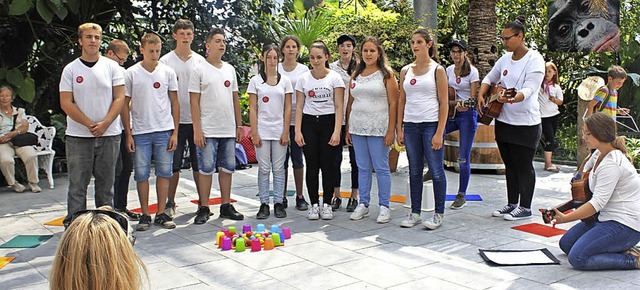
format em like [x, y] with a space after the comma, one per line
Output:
[552, 168]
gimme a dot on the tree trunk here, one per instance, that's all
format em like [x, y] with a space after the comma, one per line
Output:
[483, 50]
[426, 11]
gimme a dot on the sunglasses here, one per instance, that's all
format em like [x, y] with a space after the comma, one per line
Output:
[122, 220]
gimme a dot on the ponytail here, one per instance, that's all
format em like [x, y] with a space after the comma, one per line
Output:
[620, 143]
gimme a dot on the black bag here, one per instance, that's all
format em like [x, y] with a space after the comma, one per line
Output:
[26, 139]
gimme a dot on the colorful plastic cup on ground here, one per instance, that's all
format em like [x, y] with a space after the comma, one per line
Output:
[226, 244]
[260, 228]
[219, 236]
[232, 230]
[246, 228]
[286, 232]
[255, 245]
[275, 229]
[226, 232]
[276, 239]
[240, 245]
[268, 244]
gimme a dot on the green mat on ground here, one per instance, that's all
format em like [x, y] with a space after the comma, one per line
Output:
[26, 241]
[289, 193]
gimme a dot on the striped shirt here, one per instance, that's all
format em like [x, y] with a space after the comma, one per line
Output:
[611, 106]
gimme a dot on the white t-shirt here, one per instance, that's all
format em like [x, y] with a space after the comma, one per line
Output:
[293, 77]
[422, 97]
[462, 84]
[525, 75]
[346, 79]
[270, 105]
[547, 107]
[183, 71]
[318, 93]
[150, 103]
[216, 87]
[92, 89]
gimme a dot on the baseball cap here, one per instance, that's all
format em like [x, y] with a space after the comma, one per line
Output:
[459, 42]
[346, 37]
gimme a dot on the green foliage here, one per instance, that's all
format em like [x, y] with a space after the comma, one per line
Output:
[311, 26]
[633, 150]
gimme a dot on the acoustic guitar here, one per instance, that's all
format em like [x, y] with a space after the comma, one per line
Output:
[492, 107]
[469, 104]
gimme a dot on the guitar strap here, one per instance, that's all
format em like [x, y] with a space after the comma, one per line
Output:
[605, 101]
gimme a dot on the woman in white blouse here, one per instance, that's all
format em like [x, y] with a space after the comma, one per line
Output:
[550, 97]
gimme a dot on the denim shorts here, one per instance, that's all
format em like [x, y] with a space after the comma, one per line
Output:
[156, 144]
[217, 152]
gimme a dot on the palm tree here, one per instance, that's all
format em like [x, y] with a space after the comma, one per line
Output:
[482, 20]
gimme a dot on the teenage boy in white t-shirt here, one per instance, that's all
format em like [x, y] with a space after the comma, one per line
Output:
[217, 124]
[151, 92]
[91, 94]
[183, 60]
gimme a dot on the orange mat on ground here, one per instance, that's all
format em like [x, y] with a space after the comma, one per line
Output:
[212, 201]
[540, 229]
[5, 260]
[344, 194]
[398, 198]
[57, 222]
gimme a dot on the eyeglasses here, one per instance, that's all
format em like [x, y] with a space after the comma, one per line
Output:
[122, 220]
[506, 39]
[456, 51]
[119, 58]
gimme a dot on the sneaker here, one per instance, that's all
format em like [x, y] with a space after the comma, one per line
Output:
[164, 221]
[505, 210]
[314, 212]
[134, 216]
[517, 214]
[301, 204]
[170, 208]
[352, 204]
[459, 203]
[17, 187]
[360, 212]
[229, 212]
[285, 202]
[144, 223]
[434, 222]
[412, 220]
[327, 212]
[202, 215]
[427, 176]
[335, 203]
[278, 210]
[635, 252]
[384, 216]
[264, 212]
[34, 187]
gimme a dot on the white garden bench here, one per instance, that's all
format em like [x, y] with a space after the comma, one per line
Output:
[44, 149]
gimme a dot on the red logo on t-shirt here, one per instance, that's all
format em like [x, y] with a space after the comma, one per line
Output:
[227, 83]
[265, 99]
[458, 80]
[353, 85]
[156, 85]
[413, 82]
[79, 79]
[312, 93]
[505, 72]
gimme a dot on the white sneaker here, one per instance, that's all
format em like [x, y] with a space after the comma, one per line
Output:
[34, 187]
[314, 212]
[384, 216]
[17, 187]
[434, 222]
[412, 220]
[327, 212]
[360, 212]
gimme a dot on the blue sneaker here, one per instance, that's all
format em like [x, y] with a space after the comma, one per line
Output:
[505, 210]
[517, 214]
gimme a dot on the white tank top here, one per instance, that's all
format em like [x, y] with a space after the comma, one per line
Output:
[422, 98]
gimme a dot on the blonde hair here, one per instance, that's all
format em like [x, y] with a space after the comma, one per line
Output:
[95, 253]
[88, 26]
[118, 45]
[150, 38]
[555, 69]
[602, 127]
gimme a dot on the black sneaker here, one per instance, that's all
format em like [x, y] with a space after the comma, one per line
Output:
[335, 203]
[263, 213]
[229, 212]
[134, 216]
[301, 204]
[202, 215]
[285, 202]
[427, 176]
[144, 223]
[170, 208]
[278, 210]
[352, 204]
[164, 221]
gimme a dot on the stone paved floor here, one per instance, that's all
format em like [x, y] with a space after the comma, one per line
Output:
[336, 254]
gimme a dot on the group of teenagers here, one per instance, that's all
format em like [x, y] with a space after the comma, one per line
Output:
[183, 99]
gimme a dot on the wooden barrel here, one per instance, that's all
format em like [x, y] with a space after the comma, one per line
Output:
[484, 151]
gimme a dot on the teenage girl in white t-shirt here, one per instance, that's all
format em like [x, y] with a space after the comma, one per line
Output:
[422, 109]
[291, 68]
[269, 113]
[319, 95]
[550, 97]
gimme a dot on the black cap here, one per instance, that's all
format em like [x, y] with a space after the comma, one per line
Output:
[459, 42]
[346, 37]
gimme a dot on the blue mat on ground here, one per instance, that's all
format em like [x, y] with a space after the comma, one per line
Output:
[470, 197]
[289, 193]
[26, 241]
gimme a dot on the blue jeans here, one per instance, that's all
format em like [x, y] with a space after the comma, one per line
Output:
[271, 157]
[220, 152]
[370, 150]
[600, 246]
[156, 144]
[87, 157]
[417, 138]
[466, 122]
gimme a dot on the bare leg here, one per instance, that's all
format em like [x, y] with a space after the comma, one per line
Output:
[224, 179]
[173, 185]
[547, 159]
[162, 188]
[143, 195]
[204, 183]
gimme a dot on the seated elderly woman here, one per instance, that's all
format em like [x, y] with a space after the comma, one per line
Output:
[12, 124]
[95, 252]
[609, 242]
